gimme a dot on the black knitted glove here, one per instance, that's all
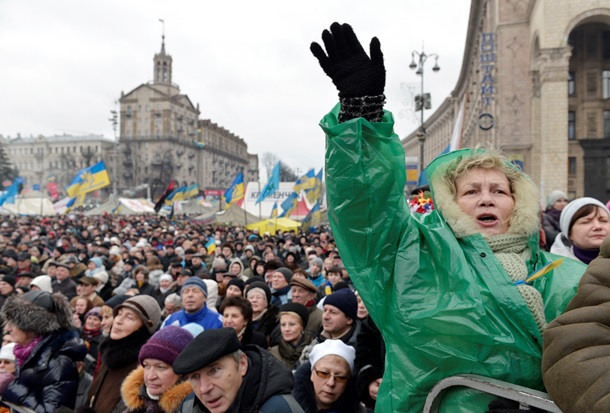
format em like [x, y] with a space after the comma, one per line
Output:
[359, 79]
[509, 406]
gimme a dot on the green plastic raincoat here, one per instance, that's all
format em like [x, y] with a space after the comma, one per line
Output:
[444, 305]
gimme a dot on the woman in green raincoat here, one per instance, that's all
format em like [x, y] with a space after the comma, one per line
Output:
[452, 291]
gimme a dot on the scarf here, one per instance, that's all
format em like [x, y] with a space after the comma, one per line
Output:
[118, 353]
[23, 352]
[89, 334]
[585, 256]
[512, 252]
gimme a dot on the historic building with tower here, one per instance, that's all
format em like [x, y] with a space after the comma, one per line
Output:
[162, 137]
[535, 80]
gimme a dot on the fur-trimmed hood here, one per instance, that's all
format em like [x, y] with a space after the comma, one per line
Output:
[34, 318]
[524, 220]
[132, 391]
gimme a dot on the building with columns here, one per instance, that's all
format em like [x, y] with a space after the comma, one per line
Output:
[535, 80]
[162, 137]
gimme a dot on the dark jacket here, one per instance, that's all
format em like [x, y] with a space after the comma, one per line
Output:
[119, 358]
[576, 353]
[251, 337]
[303, 392]
[268, 322]
[67, 287]
[265, 388]
[48, 379]
[370, 358]
[550, 225]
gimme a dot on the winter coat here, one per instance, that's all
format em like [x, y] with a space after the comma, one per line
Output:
[205, 317]
[288, 354]
[267, 322]
[67, 287]
[550, 225]
[562, 246]
[265, 388]
[576, 356]
[303, 392]
[133, 393]
[254, 338]
[443, 302]
[48, 379]
[119, 358]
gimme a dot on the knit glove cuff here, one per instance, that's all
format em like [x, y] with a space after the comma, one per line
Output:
[368, 107]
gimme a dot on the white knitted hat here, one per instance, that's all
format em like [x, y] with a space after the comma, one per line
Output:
[569, 210]
[333, 348]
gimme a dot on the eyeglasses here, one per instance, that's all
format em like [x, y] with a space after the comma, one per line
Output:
[326, 375]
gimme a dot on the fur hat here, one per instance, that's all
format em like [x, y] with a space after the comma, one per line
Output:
[39, 312]
[144, 306]
[165, 344]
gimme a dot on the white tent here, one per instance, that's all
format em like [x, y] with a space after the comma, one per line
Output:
[30, 206]
[124, 206]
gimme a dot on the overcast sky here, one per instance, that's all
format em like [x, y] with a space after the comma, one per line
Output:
[64, 63]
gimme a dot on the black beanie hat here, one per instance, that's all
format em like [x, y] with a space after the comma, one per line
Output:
[286, 273]
[238, 282]
[345, 300]
[297, 308]
[264, 287]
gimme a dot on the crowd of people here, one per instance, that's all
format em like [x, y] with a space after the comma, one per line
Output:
[128, 295]
[142, 314]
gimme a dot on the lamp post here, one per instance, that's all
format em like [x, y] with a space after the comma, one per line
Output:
[422, 101]
[115, 122]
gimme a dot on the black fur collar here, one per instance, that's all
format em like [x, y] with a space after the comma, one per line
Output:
[117, 353]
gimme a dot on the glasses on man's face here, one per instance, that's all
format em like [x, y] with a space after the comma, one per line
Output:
[326, 375]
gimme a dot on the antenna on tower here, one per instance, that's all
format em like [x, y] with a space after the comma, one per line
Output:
[162, 33]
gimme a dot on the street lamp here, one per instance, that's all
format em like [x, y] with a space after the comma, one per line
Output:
[422, 101]
[115, 122]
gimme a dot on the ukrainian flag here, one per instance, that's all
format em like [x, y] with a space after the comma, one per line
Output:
[273, 183]
[305, 182]
[289, 205]
[314, 193]
[274, 211]
[235, 193]
[313, 218]
[191, 191]
[211, 246]
[177, 195]
[89, 180]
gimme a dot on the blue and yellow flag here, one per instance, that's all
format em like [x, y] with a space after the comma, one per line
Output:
[313, 195]
[12, 191]
[89, 180]
[289, 205]
[274, 211]
[313, 218]
[211, 246]
[177, 195]
[305, 182]
[191, 191]
[273, 184]
[77, 201]
[236, 191]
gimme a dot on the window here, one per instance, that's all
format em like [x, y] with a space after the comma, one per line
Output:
[606, 123]
[571, 125]
[571, 165]
[571, 85]
[606, 84]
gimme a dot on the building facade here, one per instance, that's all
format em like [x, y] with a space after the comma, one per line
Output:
[41, 160]
[162, 137]
[535, 80]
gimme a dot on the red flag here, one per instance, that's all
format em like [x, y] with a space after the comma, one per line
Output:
[161, 200]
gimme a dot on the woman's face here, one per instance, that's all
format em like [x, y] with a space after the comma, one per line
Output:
[233, 291]
[165, 283]
[7, 366]
[140, 276]
[258, 301]
[485, 195]
[81, 306]
[560, 204]
[19, 336]
[232, 317]
[106, 322]
[91, 265]
[588, 232]
[93, 323]
[125, 323]
[291, 328]
[235, 268]
[158, 376]
[362, 311]
[260, 269]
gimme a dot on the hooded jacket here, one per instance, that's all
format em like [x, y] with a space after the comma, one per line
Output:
[48, 378]
[265, 388]
[576, 356]
[441, 299]
[133, 392]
